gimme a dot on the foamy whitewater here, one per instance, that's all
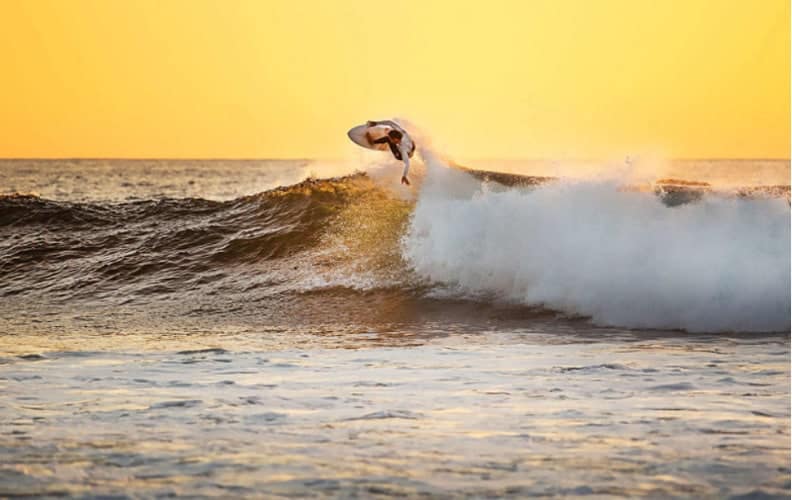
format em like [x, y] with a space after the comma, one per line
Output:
[595, 249]
[189, 328]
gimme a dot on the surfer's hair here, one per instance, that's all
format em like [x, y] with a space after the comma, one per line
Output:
[395, 134]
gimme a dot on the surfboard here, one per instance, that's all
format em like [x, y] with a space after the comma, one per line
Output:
[364, 136]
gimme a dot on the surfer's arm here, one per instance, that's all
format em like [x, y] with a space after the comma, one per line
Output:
[406, 159]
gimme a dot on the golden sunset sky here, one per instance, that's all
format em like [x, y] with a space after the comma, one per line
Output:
[496, 79]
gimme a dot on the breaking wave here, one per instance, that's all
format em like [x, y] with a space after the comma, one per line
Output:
[617, 256]
[685, 258]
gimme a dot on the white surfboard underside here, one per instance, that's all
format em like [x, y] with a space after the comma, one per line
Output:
[364, 136]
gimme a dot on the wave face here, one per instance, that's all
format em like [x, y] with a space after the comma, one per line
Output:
[88, 250]
[620, 257]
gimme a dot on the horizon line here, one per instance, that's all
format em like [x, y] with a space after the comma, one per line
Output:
[167, 158]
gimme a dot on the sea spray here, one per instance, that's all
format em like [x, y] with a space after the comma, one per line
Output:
[592, 248]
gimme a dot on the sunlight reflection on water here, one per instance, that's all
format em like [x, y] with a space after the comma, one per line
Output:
[502, 413]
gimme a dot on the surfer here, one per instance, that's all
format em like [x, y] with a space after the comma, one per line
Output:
[399, 143]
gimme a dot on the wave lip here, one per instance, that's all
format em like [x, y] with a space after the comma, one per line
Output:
[619, 257]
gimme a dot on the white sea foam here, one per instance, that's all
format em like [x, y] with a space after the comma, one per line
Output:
[620, 257]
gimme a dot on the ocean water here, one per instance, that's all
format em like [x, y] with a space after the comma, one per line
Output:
[305, 328]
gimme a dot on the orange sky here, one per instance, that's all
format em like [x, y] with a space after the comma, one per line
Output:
[508, 79]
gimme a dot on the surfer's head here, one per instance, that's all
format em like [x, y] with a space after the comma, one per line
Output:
[395, 135]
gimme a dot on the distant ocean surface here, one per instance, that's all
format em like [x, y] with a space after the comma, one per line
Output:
[233, 327]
